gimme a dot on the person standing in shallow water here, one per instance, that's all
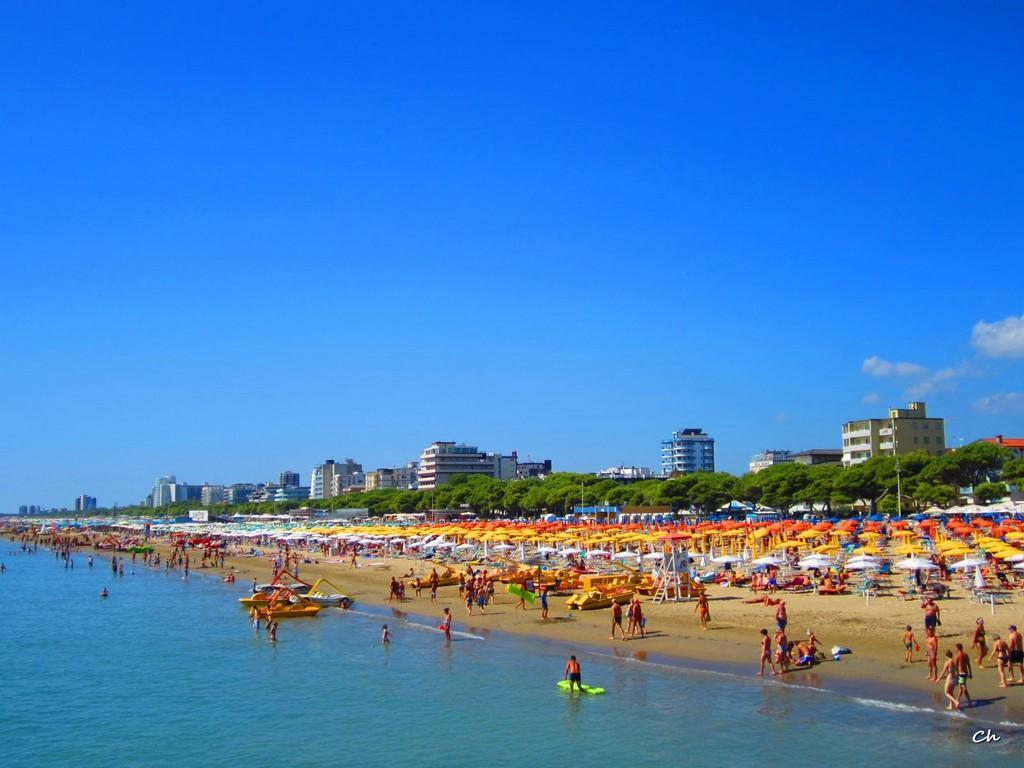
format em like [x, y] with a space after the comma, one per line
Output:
[573, 674]
[446, 625]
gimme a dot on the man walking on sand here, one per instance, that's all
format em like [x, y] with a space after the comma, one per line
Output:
[962, 665]
[617, 620]
[1016, 644]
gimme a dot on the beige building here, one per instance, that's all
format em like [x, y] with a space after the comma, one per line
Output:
[403, 478]
[905, 431]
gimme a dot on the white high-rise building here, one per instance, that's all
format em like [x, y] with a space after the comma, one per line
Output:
[688, 450]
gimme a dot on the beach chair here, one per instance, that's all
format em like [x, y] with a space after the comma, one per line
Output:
[799, 584]
[835, 589]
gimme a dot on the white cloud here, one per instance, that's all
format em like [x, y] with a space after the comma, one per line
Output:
[943, 380]
[879, 368]
[1003, 338]
[1003, 402]
[871, 398]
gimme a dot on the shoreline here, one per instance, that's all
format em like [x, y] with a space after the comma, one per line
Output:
[728, 647]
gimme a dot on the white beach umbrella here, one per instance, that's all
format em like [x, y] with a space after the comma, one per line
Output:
[915, 564]
[811, 565]
[466, 546]
[967, 562]
[547, 551]
[625, 555]
[815, 561]
[863, 559]
[862, 565]
[444, 545]
[571, 551]
[502, 547]
[769, 560]
[653, 556]
[1019, 567]
[598, 553]
[1014, 558]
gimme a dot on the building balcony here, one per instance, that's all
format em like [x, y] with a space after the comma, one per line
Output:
[885, 431]
[887, 446]
[857, 433]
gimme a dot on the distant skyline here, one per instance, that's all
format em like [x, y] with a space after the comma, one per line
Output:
[247, 238]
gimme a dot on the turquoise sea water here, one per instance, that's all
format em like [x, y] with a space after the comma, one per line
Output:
[168, 672]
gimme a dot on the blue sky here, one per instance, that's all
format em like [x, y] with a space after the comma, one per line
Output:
[241, 238]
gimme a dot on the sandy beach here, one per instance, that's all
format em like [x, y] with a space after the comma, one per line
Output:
[873, 632]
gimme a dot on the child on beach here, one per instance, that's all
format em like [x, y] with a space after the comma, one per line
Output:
[385, 635]
[910, 644]
[446, 626]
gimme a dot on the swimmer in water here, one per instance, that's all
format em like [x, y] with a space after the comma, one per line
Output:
[104, 593]
[385, 635]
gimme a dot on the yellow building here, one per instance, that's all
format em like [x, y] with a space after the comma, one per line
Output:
[905, 431]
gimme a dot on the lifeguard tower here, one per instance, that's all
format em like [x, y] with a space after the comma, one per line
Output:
[673, 574]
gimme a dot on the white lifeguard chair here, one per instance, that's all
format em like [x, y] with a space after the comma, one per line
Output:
[673, 572]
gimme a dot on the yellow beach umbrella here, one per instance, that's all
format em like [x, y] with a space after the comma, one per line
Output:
[867, 550]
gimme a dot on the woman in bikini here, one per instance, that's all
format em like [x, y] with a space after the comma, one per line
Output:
[703, 610]
[979, 641]
[949, 673]
[766, 653]
[1001, 653]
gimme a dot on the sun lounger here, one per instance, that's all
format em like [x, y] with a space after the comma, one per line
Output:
[836, 589]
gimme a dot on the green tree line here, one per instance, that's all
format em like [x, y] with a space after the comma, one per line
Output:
[924, 480]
